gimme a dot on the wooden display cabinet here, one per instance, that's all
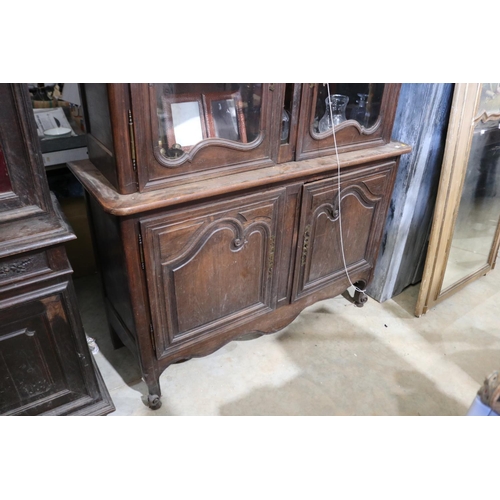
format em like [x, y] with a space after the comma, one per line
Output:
[225, 237]
[45, 364]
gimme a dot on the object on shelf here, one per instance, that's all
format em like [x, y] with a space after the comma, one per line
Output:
[335, 112]
[360, 112]
[52, 123]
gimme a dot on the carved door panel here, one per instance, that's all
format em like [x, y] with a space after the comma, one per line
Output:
[364, 198]
[42, 364]
[212, 267]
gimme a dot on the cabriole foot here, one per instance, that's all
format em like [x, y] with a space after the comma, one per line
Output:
[154, 401]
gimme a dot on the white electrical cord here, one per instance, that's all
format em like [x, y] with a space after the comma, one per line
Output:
[339, 195]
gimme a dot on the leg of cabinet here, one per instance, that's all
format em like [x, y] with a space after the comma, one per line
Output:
[154, 394]
[360, 298]
[115, 339]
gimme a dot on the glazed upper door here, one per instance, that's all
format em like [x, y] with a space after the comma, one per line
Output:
[19, 161]
[186, 131]
[213, 267]
[465, 234]
[362, 204]
[361, 113]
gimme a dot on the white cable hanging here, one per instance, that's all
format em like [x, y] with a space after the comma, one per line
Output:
[340, 197]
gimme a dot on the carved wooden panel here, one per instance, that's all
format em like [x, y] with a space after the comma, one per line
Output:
[20, 267]
[39, 361]
[212, 267]
[364, 196]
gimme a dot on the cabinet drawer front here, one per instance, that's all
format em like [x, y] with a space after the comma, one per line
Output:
[212, 268]
[40, 364]
[364, 198]
[18, 268]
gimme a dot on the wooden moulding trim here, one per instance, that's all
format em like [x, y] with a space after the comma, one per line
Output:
[128, 204]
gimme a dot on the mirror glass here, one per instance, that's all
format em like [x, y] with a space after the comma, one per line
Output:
[479, 209]
[189, 113]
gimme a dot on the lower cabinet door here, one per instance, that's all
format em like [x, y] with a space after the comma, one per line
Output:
[362, 203]
[45, 364]
[212, 267]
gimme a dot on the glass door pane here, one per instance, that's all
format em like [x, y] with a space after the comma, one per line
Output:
[479, 208]
[348, 101]
[189, 113]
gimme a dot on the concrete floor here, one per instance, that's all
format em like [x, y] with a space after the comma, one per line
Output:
[334, 359]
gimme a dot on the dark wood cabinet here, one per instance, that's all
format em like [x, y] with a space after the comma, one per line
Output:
[224, 243]
[45, 364]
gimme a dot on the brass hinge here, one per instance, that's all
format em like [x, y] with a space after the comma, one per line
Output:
[305, 247]
[132, 139]
[152, 335]
[141, 251]
[270, 262]
[271, 87]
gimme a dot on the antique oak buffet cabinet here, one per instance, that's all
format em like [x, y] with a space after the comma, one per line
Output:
[45, 364]
[216, 207]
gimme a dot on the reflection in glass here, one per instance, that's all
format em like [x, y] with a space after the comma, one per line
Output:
[5, 185]
[285, 126]
[371, 101]
[490, 98]
[189, 113]
[479, 210]
[225, 121]
[186, 121]
[359, 112]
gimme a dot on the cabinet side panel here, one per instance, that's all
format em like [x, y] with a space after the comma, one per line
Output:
[111, 259]
[99, 120]
[100, 133]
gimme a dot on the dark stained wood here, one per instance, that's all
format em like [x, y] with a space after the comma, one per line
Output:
[45, 364]
[121, 205]
[134, 126]
[190, 264]
[362, 203]
[29, 190]
[212, 266]
[206, 160]
[5, 185]
[291, 94]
